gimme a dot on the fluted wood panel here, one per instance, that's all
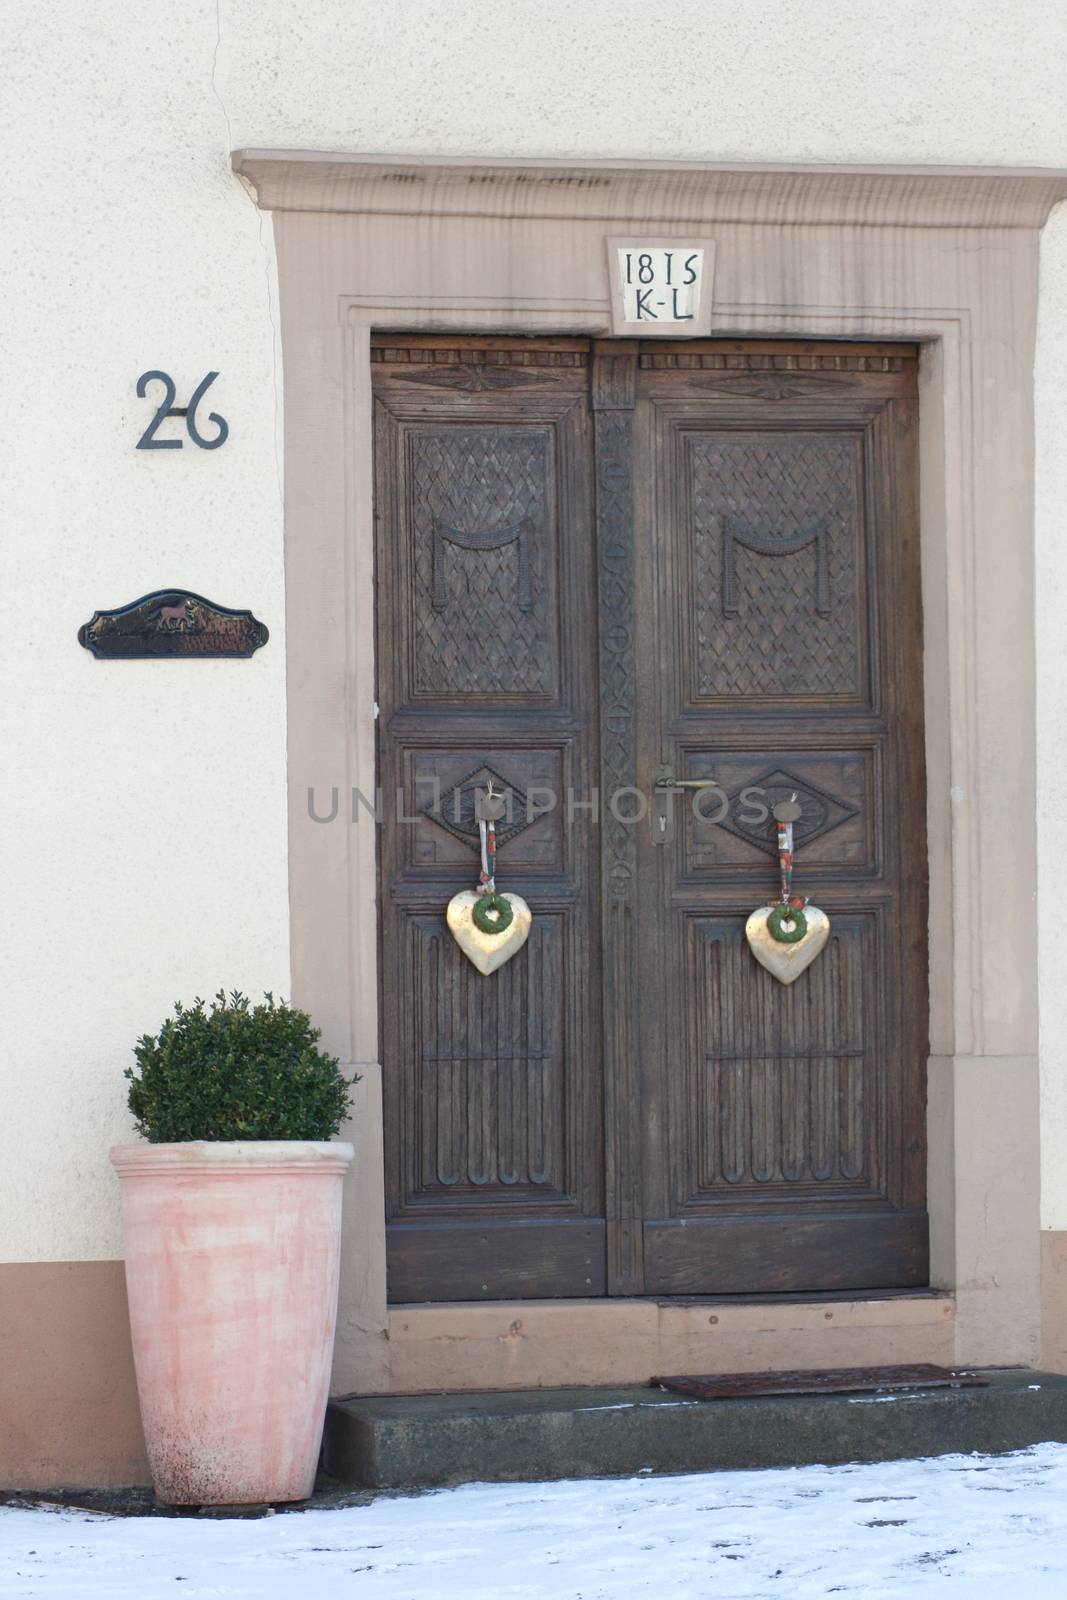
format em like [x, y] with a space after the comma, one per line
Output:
[783, 1080]
[488, 1094]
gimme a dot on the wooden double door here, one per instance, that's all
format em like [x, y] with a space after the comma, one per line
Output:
[599, 565]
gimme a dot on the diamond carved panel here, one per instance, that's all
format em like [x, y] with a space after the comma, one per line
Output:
[820, 812]
[456, 810]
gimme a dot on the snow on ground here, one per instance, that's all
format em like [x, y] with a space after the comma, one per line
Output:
[956, 1526]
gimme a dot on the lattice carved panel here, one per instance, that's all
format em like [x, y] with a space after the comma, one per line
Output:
[482, 523]
[778, 565]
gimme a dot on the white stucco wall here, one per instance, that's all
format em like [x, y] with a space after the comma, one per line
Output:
[143, 838]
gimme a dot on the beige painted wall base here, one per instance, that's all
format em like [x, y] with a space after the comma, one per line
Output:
[1054, 1300]
[68, 1397]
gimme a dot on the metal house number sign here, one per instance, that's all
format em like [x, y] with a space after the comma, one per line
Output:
[661, 288]
[166, 409]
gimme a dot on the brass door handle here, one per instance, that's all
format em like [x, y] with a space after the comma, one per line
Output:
[661, 817]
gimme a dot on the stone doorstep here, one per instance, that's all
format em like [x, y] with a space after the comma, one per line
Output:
[417, 1441]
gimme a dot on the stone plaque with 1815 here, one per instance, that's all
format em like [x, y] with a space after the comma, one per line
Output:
[661, 287]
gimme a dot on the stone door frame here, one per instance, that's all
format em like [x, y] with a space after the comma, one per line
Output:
[946, 258]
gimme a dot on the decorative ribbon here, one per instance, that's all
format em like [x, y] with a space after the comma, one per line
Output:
[487, 831]
[785, 815]
[487, 876]
[785, 859]
[787, 923]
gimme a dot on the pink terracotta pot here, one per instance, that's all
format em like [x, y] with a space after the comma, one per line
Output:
[232, 1264]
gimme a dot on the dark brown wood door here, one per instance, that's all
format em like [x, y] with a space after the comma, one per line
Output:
[487, 668]
[597, 562]
[779, 651]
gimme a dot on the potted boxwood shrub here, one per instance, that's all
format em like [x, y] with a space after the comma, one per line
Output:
[232, 1219]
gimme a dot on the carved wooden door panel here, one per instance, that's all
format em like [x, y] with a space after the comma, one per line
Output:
[779, 652]
[487, 668]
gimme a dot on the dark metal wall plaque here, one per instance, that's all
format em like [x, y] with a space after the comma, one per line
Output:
[171, 622]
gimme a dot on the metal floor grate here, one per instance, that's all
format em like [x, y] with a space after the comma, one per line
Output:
[835, 1380]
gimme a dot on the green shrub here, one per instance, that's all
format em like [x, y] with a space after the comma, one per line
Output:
[236, 1072]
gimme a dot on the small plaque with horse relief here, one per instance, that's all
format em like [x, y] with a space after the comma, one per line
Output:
[171, 622]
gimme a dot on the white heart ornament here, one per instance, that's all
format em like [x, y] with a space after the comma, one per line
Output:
[786, 961]
[487, 951]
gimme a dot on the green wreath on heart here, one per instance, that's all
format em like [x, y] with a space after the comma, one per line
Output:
[787, 913]
[483, 909]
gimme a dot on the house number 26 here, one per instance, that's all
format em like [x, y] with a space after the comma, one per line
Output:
[167, 408]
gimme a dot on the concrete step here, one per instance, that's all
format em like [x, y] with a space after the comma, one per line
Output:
[399, 1442]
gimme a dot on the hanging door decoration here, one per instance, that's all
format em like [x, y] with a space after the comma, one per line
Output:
[787, 936]
[489, 927]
